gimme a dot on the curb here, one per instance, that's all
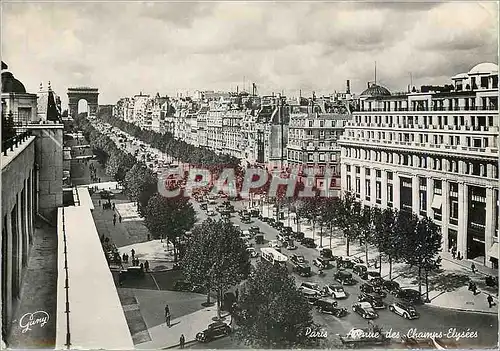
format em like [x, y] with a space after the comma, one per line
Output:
[190, 342]
[465, 310]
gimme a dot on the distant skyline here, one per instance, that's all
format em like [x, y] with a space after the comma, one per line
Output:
[169, 47]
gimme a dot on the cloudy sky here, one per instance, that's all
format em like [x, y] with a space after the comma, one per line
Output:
[124, 48]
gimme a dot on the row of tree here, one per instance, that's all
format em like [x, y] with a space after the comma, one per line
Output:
[399, 236]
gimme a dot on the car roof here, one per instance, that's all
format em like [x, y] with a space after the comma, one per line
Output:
[328, 300]
[365, 304]
[335, 286]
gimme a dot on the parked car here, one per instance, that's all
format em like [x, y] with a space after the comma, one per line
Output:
[310, 287]
[275, 244]
[361, 270]
[409, 295]
[365, 310]
[245, 235]
[373, 299]
[391, 286]
[252, 252]
[344, 278]
[182, 285]
[370, 289]
[282, 237]
[406, 311]
[308, 242]
[259, 239]
[287, 230]
[214, 330]
[311, 296]
[302, 270]
[326, 253]
[335, 290]
[321, 262]
[297, 259]
[376, 281]
[328, 305]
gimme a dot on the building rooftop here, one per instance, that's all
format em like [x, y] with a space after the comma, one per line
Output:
[484, 68]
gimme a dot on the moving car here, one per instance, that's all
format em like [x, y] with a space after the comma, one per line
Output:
[311, 296]
[251, 251]
[302, 269]
[310, 287]
[289, 245]
[391, 286]
[297, 259]
[282, 237]
[214, 330]
[404, 310]
[365, 310]
[335, 290]
[298, 235]
[409, 295]
[377, 280]
[374, 300]
[328, 305]
[326, 253]
[245, 235]
[254, 229]
[321, 262]
[370, 289]
[345, 262]
[361, 270]
[275, 244]
[344, 278]
[308, 242]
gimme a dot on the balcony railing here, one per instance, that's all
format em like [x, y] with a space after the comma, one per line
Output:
[429, 109]
[13, 142]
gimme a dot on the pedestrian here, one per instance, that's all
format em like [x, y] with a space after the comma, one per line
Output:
[474, 288]
[473, 268]
[490, 301]
[133, 253]
[459, 257]
[120, 218]
[182, 341]
[114, 221]
[167, 316]
[114, 215]
[99, 180]
[113, 206]
[124, 256]
[146, 265]
[454, 252]
[142, 266]
[99, 202]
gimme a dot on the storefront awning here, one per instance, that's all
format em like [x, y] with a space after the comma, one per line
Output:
[493, 251]
[437, 202]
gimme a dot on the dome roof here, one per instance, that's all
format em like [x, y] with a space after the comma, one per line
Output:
[11, 84]
[376, 90]
[484, 68]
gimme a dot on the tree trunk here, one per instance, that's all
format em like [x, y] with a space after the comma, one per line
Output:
[420, 279]
[380, 265]
[366, 253]
[321, 235]
[390, 267]
[297, 218]
[208, 297]
[175, 252]
[427, 286]
[219, 295]
[331, 234]
[347, 245]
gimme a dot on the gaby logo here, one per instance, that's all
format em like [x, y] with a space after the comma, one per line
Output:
[29, 320]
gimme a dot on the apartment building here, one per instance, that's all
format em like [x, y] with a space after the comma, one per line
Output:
[312, 146]
[434, 152]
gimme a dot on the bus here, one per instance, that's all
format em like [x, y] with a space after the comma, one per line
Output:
[273, 256]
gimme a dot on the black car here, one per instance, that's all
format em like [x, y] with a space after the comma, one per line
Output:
[361, 270]
[214, 330]
[409, 295]
[345, 262]
[375, 301]
[321, 263]
[302, 269]
[371, 289]
[254, 229]
[298, 235]
[287, 230]
[326, 253]
[376, 280]
[404, 310]
[365, 310]
[278, 225]
[391, 286]
[344, 278]
[182, 285]
[297, 259]
[328, 305]
[308, 242]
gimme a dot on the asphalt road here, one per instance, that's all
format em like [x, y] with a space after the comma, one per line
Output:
[431, 319]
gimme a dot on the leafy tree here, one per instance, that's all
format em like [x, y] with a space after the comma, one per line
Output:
[272, 313]
[8, 130]
[216, 258]
[348, 218]
[169, 217]
[387, 237]
[367, 228]
[422, 247]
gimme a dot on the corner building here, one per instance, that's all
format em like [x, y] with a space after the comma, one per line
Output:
[433, 152]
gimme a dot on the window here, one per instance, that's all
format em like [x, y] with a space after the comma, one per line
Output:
[367, 189]
[321, 124]
[310, 157]
[310, 123]
[349, 185]
[476, 143]
[333, 158]
[378, 173]
[322, 157]
[357, 170]
[367, 171]
[348, 167]
[358, 185]
[378, 190]
[389, 193]
[389, 175]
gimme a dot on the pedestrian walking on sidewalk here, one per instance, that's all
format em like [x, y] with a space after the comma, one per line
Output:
[114, 216]
[474, 288]
[167, 316]
[146, 265]
[120, 218]
[459, 257]
[99, 202]
[473, 268]
[133, 253]
[182, 341]
[113, 206]
[114, 221]
[490, 301]
[453, 252]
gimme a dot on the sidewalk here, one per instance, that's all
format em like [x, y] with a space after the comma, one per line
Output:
[448, 288]
[155, 252]
[189, 325]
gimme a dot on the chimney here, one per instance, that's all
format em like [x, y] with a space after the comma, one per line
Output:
[348, 88]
